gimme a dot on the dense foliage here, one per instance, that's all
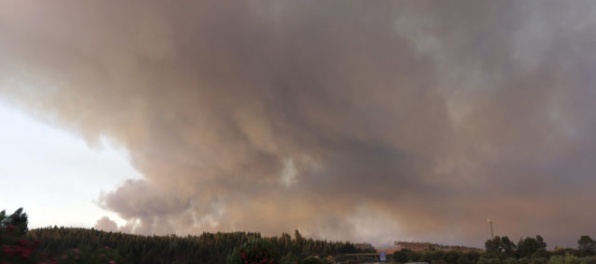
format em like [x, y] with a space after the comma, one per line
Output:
[17, 221]
[256, 251]
[79, 245]
[14, 248]
[206, 248]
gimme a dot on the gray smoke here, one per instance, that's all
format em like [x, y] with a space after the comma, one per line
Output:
[106, 224]
[356, 120]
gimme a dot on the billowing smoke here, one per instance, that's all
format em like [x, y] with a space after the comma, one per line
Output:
[377, 121]
[106, 224]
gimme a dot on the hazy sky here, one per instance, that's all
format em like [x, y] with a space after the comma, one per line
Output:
[41, 165]
[363, 120]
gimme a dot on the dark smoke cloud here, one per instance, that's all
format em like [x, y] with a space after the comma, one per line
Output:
[344, 119]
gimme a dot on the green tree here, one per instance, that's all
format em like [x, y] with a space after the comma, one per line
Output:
[586, 246]
[493, 247]
[14, 246]
[17, 221]
[531, 247]
[509, 248]
[500, 247]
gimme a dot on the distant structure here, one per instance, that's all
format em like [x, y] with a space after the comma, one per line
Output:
[490, 223]
[425, 246]
[365, 247]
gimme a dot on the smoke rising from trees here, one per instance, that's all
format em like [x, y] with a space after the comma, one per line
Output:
[344, 119]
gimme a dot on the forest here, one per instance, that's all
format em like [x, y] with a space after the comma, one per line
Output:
[79, 245]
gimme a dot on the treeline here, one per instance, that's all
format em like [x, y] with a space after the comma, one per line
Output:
[80, 245]
[502, 250]
[205, 248]
[534, 250]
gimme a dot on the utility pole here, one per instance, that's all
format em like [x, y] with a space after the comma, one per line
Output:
[490, 223]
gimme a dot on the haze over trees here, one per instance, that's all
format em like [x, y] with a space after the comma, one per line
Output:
[80, 245]
[529, 250]
[91, 244]
[272, 115]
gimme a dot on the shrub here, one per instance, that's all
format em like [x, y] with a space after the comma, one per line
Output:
[588, 260]
[16, 249]
[567, 259]
[254, 252]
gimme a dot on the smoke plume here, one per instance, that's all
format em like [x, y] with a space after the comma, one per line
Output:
[376, 121]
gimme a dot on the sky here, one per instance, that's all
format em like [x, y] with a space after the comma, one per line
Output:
[41, 164]
[351, 120]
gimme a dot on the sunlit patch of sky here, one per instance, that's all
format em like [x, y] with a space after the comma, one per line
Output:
[54, 174]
